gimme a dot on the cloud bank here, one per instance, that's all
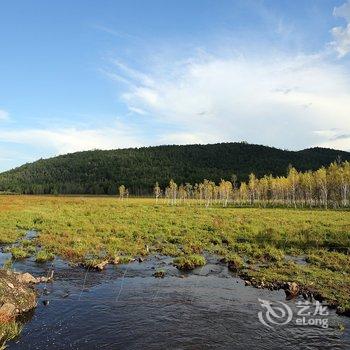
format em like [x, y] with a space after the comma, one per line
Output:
[278, 100]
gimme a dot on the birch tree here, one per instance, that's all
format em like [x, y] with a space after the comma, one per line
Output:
[122, 190]
[172, 191]
[157, 191]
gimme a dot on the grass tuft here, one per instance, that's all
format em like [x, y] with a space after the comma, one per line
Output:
[43, 256]
[189, 262]
[19, 253]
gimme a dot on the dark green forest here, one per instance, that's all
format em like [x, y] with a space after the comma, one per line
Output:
[101, 172]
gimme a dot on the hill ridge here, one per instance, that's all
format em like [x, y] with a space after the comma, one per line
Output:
[102, 171]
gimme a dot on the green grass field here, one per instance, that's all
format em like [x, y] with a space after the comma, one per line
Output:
[260, 243]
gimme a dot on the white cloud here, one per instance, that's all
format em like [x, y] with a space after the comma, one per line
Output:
[342, 40]
[72, 139]
[341, 35]
[4, 115]
[278, 101]
[137, 110]
[343, 11]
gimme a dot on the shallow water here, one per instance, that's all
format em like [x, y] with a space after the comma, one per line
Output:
[125, 307]
[5, 255]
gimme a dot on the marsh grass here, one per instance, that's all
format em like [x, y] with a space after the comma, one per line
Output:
[43, 256]
[234, 262]
[83, 228]
[19, 253]
[9, 331]
[189, 262]
[125, 259]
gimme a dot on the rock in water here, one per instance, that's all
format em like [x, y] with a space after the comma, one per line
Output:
[26, 278]
[102, 265]
[292, 290]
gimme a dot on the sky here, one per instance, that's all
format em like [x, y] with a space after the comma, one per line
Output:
[80, 75]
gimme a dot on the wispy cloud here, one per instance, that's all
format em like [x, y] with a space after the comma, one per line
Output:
[133, 74]
[113, 32]
[342, 137]
[137, 110]
[341, 35]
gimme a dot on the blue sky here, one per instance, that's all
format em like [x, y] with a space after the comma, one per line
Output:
[79, 75]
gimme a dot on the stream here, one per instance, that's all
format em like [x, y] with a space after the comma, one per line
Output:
[126, 307]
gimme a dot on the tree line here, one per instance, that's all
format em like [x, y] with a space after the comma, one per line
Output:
[102, 172]
[326, 187]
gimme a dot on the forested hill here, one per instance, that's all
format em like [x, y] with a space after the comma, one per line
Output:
[101, 172]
